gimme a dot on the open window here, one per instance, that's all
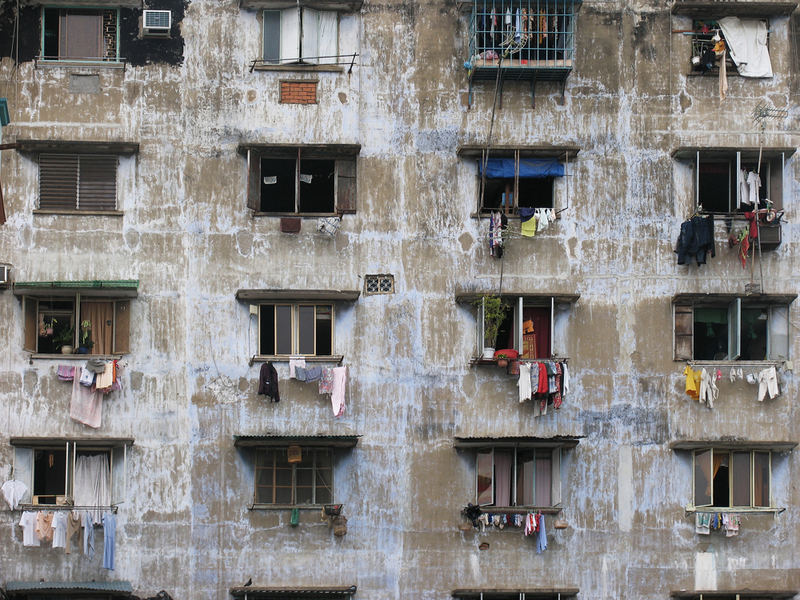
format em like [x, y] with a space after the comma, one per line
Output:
[517, 472]
[293, 471]
[727, 328]
[302, 180]
[534, 325]
[87, 317]
[509, 179]
[80, 34]
[301, 34]
[90, 474]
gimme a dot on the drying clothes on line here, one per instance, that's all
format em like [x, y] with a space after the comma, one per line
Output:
[498, 223]
[747, 42]
[66, 372]
[28, 524]
[91, 484]
[60, 518]
[293, 364]
[14, 491]
[73, 527]
[708, 389]
[44, 526]
[326, 381]
[527, 222]
[268, 382]
[753, 185]
[695, 240]
[105, 379]
[96, 365]
[524, 382]
[87, 377]
[702, 523]
[767, 384]
[338, 391]
[88, 535]
[543, 382]
[730, 524]
[109, 539]
[86, 405]
[692, 382]
[541, 540]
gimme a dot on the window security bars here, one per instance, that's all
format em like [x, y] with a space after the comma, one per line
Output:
[379, 284]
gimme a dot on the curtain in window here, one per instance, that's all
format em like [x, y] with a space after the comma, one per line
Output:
[541, 331]
[747, 43]
[101, 316]
[91, 486]
[503, 464]
[544, 477]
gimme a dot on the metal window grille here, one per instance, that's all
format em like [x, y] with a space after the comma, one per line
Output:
[379, 284]
[524, 33]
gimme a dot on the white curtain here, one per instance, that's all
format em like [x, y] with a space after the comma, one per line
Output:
[91, 486]
[747, 42]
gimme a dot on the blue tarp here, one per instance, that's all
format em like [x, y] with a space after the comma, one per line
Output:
[528, 168]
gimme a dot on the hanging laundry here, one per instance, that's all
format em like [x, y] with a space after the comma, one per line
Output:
[530, 524]
[293, 364]
[73, 527]
[498, 223]
[88, 535]
[326, 381]
[44, 526]
[338, 391]
[268, 382]
[313, 373]
[28, 524]
[524, 382]
[14, 491]
[87, 377]
[696, 240]
[708, 389]
[692, 382]
[86, 405]
[744, 188]
[730, 523]
[753, 184]
[767, 384]
[702, 522]
[106, 377]
[109, 539]
[527, 221]
[541, 540]
[66, 372]
[60, 519]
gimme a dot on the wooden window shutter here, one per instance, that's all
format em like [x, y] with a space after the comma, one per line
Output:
[58, 181]
[97, 188]
[122, 326]
[253, 180]
[81, 34]
[30, 306]
[683, 331]
[346, 186]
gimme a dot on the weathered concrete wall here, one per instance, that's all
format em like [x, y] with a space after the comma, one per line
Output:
[187, 236]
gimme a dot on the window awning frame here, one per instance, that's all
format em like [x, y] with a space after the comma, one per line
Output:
[516, 442]
[279, 593]
[743, 594]
[527, 594]
[305, 441]
[734, 8]
[308, 151]
[118, 288]
[337, 5]
[711, 299]
[467, 296]
[722, 444]
[75, 146]
[292, 295]
[560, 153]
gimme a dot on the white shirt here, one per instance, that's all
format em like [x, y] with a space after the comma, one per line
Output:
[28, 524]
[60, 529]
[754, 181]
[13, 492]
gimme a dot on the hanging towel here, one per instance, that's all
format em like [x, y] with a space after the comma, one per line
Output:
[524, 382]
[326, 381]
[338, 390]
[14, 491]
[66, 372]
[109, 538]
[73, 527]
[105, 378]
[87, 377]
[86, 405]
[541, 541]
[527, 222]
[293, 364]
[701, 523]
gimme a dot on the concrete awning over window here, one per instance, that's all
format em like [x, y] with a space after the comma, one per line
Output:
[558, 441]
[465, 295]
[743, 594]
[306, 441]
[557, 152]
[85, 147]
[87, 589]
[690, 152]
[279, 593]
[275, 295]
[757, 298]
[116, 288]
[775, 446]
[712, 8]
[530, 593]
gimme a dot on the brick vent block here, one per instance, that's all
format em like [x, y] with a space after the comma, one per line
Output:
[298, 92]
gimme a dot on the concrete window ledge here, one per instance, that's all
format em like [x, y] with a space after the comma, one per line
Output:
[79, 213]
[76, 356]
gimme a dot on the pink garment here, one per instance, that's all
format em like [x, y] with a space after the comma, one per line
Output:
[86, 405]
[326, 381]
[530, 524]
[66, 372]
[338, 389]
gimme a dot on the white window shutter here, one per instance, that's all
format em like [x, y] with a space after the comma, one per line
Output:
[23, 470]
[480, 328]
[734, 325]
[552, 326]
[310, 35]
[778, 333]
[328, 44]
[119, 473]
[290, 34]
[518, 326]
[555, 474]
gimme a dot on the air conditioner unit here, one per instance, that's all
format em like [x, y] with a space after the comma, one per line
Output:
[156, 22]
[5, 273]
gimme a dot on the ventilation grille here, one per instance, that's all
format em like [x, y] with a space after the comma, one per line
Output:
[378, 284]
[157, 20]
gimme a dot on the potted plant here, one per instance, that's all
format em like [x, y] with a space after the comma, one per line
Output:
[86, 342]
[494, 313]
[64, 339]
[504, 356]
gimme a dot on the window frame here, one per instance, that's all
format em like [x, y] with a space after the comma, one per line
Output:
[344, 156]
[555, 475]
[683, 324]
[292, 26]
[275, 450]
[772, 184]
[55, 174]
[102, 10]
[752, 479]
[513, 207]
[120, 328]
[23, 468]
[295, 326]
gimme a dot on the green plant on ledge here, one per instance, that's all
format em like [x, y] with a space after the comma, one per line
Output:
[494, 313]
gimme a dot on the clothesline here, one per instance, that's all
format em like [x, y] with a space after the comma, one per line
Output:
[53, 507]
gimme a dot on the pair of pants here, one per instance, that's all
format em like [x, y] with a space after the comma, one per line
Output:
[767, 383]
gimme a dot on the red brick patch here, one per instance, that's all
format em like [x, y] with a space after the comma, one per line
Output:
[298, 92]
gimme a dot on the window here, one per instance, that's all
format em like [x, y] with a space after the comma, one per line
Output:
[743, 41]
[378, 284]
[87, 473]
[534, 326]
[80, 34]
[89, 324]
[517, 477]
[527, 34]
[731, 328]
[732, 478]
[724, 183]
[309, 181]
[294, 478]
[85, 182]
[305, 329]
[301, 34]
[511, 184]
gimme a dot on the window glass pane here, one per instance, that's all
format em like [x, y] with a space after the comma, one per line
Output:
[484, 477]
[316, 186]
[304, 484]
[267, 333]
[702, 478]
[305, 327]
[50, 28]
[55, 325]
[710, 333]
[722, 481]
[272, 35]
[81, 34]
[283, 326]
[324, 477]
[779, 332]
[49, 474]
[544, 469]
[761, 479]
[503, 473]
[754, 334]
[741, 479]
[525, 478]
[324, 330]
[278, 176]
[265, 473]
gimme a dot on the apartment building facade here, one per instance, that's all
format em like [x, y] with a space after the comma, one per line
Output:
[204, 191]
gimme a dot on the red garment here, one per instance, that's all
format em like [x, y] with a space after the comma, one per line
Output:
[542, 388]
[557, 395]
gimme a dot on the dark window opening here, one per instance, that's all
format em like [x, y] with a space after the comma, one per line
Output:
[278, 179]
[55, 325]
[715, 186]
[279, 191]
[718, 185]
[710, 333]
[305, 329]
[282, 477]
[49, 468]
[533, 193]
[79, 34]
